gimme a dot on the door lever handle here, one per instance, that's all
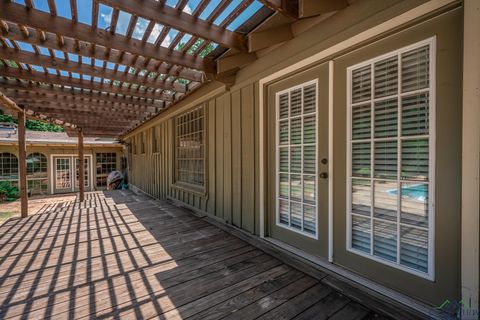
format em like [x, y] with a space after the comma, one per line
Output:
[324, 175]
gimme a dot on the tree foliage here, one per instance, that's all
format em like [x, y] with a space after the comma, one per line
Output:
[34, 125]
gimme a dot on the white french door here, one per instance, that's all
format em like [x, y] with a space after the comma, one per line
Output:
[66, 173]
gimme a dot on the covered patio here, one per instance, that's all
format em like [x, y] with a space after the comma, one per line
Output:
[286, 159]
[118, 255]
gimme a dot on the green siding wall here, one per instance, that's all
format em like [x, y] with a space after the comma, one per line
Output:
[230, 136]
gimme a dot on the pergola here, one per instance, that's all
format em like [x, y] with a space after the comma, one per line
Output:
[102, 67]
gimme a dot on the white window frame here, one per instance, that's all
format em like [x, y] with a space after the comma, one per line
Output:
[431, 42]
[277, 162]
[185, 184]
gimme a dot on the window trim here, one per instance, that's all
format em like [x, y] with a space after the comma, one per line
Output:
[197, 189]
[277, 157]
[431, 42]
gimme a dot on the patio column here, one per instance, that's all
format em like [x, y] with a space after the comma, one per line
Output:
[81, 168]
[22, 164]
[471, 157]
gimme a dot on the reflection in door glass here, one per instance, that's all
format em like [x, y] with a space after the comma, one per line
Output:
[297, 161]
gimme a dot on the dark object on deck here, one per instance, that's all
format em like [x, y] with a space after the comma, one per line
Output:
[114, 180]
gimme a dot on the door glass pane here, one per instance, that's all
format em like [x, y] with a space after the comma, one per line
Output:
[386, 77]
[297, 158]
[386, 118]
[309, 192]
[85, 172]
[385, 200]
[361, 84]
[62, 173]
[415, 69]
[415, 159]
[385, 240]
[361, 121]
[386, 159]
[414, 248]
[361, 159]
[361, 233]
[415, 115]
[361, 196]
[414, 204]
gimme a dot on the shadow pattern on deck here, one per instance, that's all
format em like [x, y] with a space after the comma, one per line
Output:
[124, 256]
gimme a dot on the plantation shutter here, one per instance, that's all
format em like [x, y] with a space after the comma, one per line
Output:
[390, 158]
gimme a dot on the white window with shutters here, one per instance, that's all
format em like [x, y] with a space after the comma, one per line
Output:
[296, 149]
[390, 158]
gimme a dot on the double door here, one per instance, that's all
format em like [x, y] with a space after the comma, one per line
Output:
[66, 173]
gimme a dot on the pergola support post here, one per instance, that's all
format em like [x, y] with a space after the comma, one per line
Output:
[81, 168]
[22, 164]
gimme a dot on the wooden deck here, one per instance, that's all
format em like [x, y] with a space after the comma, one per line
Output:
[119, 255]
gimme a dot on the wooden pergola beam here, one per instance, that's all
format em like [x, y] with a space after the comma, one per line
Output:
[77, 83]
[172, 17]
[36, 19]
[9, 103]
[86, 103]
[101, 53]
[82, 111]
[36, 88]
[103, 73]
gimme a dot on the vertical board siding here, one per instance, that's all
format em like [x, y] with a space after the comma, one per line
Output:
[236, 159]
[219, 110]
[248, 159]
[212, 150]
[227, 159]
[231, 128]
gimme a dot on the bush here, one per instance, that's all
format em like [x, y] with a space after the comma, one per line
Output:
[8, 192]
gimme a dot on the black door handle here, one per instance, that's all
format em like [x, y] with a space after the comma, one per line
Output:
[324, 175]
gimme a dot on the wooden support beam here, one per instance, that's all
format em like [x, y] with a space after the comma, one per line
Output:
[310, 8]
[267, 38]
[81, 168]
[235, 61]
[75, 83]
[22, 164]
[85, 105]
[37, 19]
[103, 73]
[36, 88]
[101, 53]
[8, 103]
[288, 8]
[172, 17]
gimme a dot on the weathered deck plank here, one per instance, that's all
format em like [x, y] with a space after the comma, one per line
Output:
[120, 255]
